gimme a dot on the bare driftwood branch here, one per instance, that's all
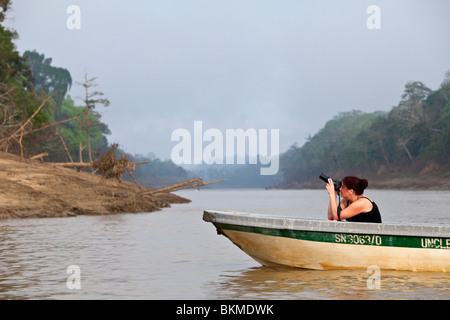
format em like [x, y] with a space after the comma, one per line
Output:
[65, 147]
[81, 152]
[82, 164]
[54, 124]
[35, 113]
[191, 183]
[71, 164]
[130, 173]
[19, 133]
[40, 156]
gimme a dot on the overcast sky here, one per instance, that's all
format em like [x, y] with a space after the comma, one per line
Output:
[290, 65]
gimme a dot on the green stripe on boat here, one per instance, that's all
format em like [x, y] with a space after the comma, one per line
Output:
[346, 238]
[325, 245]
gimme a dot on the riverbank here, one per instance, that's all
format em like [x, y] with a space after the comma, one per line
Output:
[393, 182]
[35, 189]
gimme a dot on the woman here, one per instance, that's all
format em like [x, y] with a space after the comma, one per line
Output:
[354, 206]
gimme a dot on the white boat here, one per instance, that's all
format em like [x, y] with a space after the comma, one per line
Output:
[325, 245]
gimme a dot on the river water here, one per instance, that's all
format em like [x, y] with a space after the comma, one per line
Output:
[173, 254]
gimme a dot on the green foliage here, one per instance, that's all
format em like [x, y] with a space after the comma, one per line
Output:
[17, 99]
[413, 135]
[24, 82]
[13, 69]
[48, 79]
[337, 145]
[4, 5]
[74, 132]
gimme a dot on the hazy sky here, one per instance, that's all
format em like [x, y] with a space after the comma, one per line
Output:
[263, 64]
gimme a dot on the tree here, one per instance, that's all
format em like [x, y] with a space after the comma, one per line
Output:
[415, 91]
[4, 5]
[445, 87]
[413, 136]
[73, 132]
[49, 79]
[410, 108]
[13, 69]
[90, 100]
[410, 113]
[18, 101]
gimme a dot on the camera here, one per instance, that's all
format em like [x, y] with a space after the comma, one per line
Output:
[337, 183]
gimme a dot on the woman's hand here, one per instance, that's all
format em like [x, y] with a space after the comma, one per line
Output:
[330, 189]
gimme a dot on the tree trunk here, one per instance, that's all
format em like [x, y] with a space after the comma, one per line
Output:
[403, 144]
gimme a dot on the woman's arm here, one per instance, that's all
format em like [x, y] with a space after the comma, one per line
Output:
[330, 212]
[332, 206]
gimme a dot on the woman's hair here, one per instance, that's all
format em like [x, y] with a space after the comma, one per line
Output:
[355, 183]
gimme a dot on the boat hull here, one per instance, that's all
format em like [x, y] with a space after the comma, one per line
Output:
[324, 245]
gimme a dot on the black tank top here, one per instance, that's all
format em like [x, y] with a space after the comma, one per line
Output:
[371, 216]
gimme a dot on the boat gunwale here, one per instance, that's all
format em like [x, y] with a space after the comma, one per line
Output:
[294, 223]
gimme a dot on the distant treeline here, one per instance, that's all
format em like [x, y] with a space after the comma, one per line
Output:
[413, 138]
[157, 173]
[237, 176]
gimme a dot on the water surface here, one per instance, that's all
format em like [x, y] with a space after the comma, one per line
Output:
[174, 254]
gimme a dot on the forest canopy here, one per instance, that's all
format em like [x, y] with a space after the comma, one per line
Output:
[414, 137]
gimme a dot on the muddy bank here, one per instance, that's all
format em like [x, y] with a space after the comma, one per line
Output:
[33, 189]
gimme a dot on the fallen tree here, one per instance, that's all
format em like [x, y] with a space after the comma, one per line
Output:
[108, 165]
[82, 164]
[191, 183]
